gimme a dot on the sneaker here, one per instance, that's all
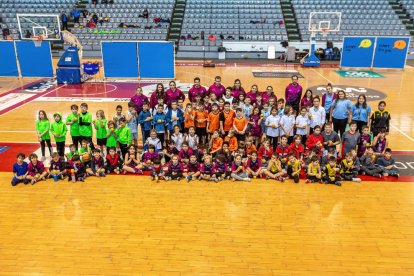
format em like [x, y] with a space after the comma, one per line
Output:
[117, 172]
[33, 181]
[233, 179]
[397, 175]
[139, 172]
[152, 178]
[356, 179]
[167, 178]
[124, 172]
[81, 179]
[26, 181]
[102, 174]
[178, 178]
[325, 182]
[246, 179]
[188, 178]
[216, 180]
[281, 179]
[157, 179]
[267, 177]
[307, 181]
[377, 175]
[61, 177]
[338, 183]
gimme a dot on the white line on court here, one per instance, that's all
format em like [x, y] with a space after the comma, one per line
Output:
[47, 93]
[402, 132]
[321, 75]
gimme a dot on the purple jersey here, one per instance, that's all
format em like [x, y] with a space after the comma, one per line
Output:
[254, 165]
[194, 91]
[380, 145]
[293, 93]
[59, 165]
[218, 90]
[150, 156]
[221, 167]
[138, 101]
[193, 167]
[255, 129]
[35, 169]
[175, 95]
[207, 169]
[252, 95]
[175, 168]
[185, 154]
[361, 146]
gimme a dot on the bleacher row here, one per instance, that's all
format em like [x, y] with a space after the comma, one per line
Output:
[232, 19]
[381, 19]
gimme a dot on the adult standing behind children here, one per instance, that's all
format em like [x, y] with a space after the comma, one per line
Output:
[217, 88]
[158, 93]
[293, 94]
[173, 94]
[139, 99]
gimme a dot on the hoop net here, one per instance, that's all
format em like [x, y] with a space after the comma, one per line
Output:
[325, 32]
[38, 40]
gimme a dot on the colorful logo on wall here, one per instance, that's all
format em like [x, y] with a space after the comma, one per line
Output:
[358, 74]
[352, 92]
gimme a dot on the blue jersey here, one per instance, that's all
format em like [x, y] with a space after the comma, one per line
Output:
[340, 110]
[360, 113]
[20, 170]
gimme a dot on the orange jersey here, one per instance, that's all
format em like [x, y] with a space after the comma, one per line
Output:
[214, 120]
[233, 144]
[188, 121]
[201, 116]
[240, 123]
[216, 144]
[250, 149]
[228, 119]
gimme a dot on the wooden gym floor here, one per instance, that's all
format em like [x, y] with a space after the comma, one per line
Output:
[125, 225]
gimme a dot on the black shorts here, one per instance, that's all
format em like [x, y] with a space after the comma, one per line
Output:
[101, 141]
[201, 131]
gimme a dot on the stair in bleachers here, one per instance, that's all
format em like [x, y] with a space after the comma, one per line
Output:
[404, 11]
[176, 21]
[289, 17]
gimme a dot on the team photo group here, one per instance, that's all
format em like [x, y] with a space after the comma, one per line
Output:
[214, 134]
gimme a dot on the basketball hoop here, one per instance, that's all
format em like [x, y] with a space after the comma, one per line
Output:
[324, 32]
[38, 40]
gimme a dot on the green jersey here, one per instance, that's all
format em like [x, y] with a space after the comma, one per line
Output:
[100, 128]
[59, 128]
[42, 126]
[111, 139]
[124, 135]
[85, 124]
[71, 154]
[74, 128]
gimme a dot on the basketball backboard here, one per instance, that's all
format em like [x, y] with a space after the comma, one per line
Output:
[324, 22]
[35, 25]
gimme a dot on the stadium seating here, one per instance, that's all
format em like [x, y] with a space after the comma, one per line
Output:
[359, 17]
[237, 19]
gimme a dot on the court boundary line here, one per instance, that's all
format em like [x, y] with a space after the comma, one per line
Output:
[18, 105]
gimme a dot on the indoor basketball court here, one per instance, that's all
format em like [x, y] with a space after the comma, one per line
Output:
[128, 225]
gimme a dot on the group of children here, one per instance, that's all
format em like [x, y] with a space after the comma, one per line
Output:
[222, 133]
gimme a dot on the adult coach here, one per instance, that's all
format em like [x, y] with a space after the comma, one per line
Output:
[328, 99]
[173, 94]
[361, 112]
[139, 99]
[293, 93]
[158, 93]
[217, 88]
[197, 89]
